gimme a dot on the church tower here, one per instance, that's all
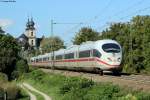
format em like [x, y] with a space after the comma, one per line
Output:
[30, 32]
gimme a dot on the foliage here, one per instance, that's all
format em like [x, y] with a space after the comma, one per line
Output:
[75, 84]
[8, 53]
[23, 95]
[51, 43]
[75, 88]
[20, 68]
[134, 38]
[85, 34]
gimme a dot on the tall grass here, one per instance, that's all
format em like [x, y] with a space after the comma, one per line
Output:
[75, 88]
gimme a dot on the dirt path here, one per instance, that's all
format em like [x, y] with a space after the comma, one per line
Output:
[28, 86]
[32, 96]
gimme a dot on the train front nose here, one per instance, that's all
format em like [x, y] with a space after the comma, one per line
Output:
[114, 61]
[112, 54]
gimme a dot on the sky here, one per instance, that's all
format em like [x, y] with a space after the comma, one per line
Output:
[97, 14]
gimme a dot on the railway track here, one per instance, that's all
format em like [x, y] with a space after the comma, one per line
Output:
[136, 82]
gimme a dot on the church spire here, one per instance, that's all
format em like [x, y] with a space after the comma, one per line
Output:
[30, 24]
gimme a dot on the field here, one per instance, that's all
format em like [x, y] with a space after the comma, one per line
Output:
[76, 88]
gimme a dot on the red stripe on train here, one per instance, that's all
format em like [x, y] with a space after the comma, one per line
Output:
[81, 60]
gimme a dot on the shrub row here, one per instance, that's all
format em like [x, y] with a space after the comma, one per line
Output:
[76, 88]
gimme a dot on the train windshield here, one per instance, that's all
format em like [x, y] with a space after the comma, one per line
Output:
[111, 48]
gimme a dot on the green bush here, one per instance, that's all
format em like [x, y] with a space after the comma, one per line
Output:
[103, 91]
[76, 88]
[75, 84]
[20, 68]
[142, 96]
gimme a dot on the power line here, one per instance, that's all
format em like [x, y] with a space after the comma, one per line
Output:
[125, 10]
[121, 11]
[68, 23]
[109, 3]
[128, 8]
[77, 24]
[102, 10]
[136, 12]
[90, 21]
[146, 8]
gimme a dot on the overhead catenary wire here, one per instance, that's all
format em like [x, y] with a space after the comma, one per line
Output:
[144, 9]
[103, 10]
[110, 17]
[128, 8]
[91, 20]
[121, 18]
[116, 14]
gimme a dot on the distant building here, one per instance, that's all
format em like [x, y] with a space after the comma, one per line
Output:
[28, 39]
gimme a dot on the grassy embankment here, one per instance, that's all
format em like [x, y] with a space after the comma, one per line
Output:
[75, 88]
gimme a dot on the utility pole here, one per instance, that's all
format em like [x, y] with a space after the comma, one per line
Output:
[52, 46]
[53, 42]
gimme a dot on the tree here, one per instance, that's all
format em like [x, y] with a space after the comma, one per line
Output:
[9, 50]
[136, 32]
[20, 68]
[85, 34]
[51, 43]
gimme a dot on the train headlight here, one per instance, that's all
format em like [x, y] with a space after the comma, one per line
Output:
[119, 59]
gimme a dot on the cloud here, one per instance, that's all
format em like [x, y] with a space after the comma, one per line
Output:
[5, 22]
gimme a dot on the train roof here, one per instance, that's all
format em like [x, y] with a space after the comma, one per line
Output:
[60, 51]
[106, 41]
[84, 46]
[87, 45]
[71, 48]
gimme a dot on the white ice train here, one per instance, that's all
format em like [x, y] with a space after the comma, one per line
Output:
[98, 56]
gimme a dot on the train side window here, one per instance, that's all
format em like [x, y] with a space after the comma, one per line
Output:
[40, 59]
[69, 56]
[96, 53]
[83, 54]
[44, 59]
[58, 57]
